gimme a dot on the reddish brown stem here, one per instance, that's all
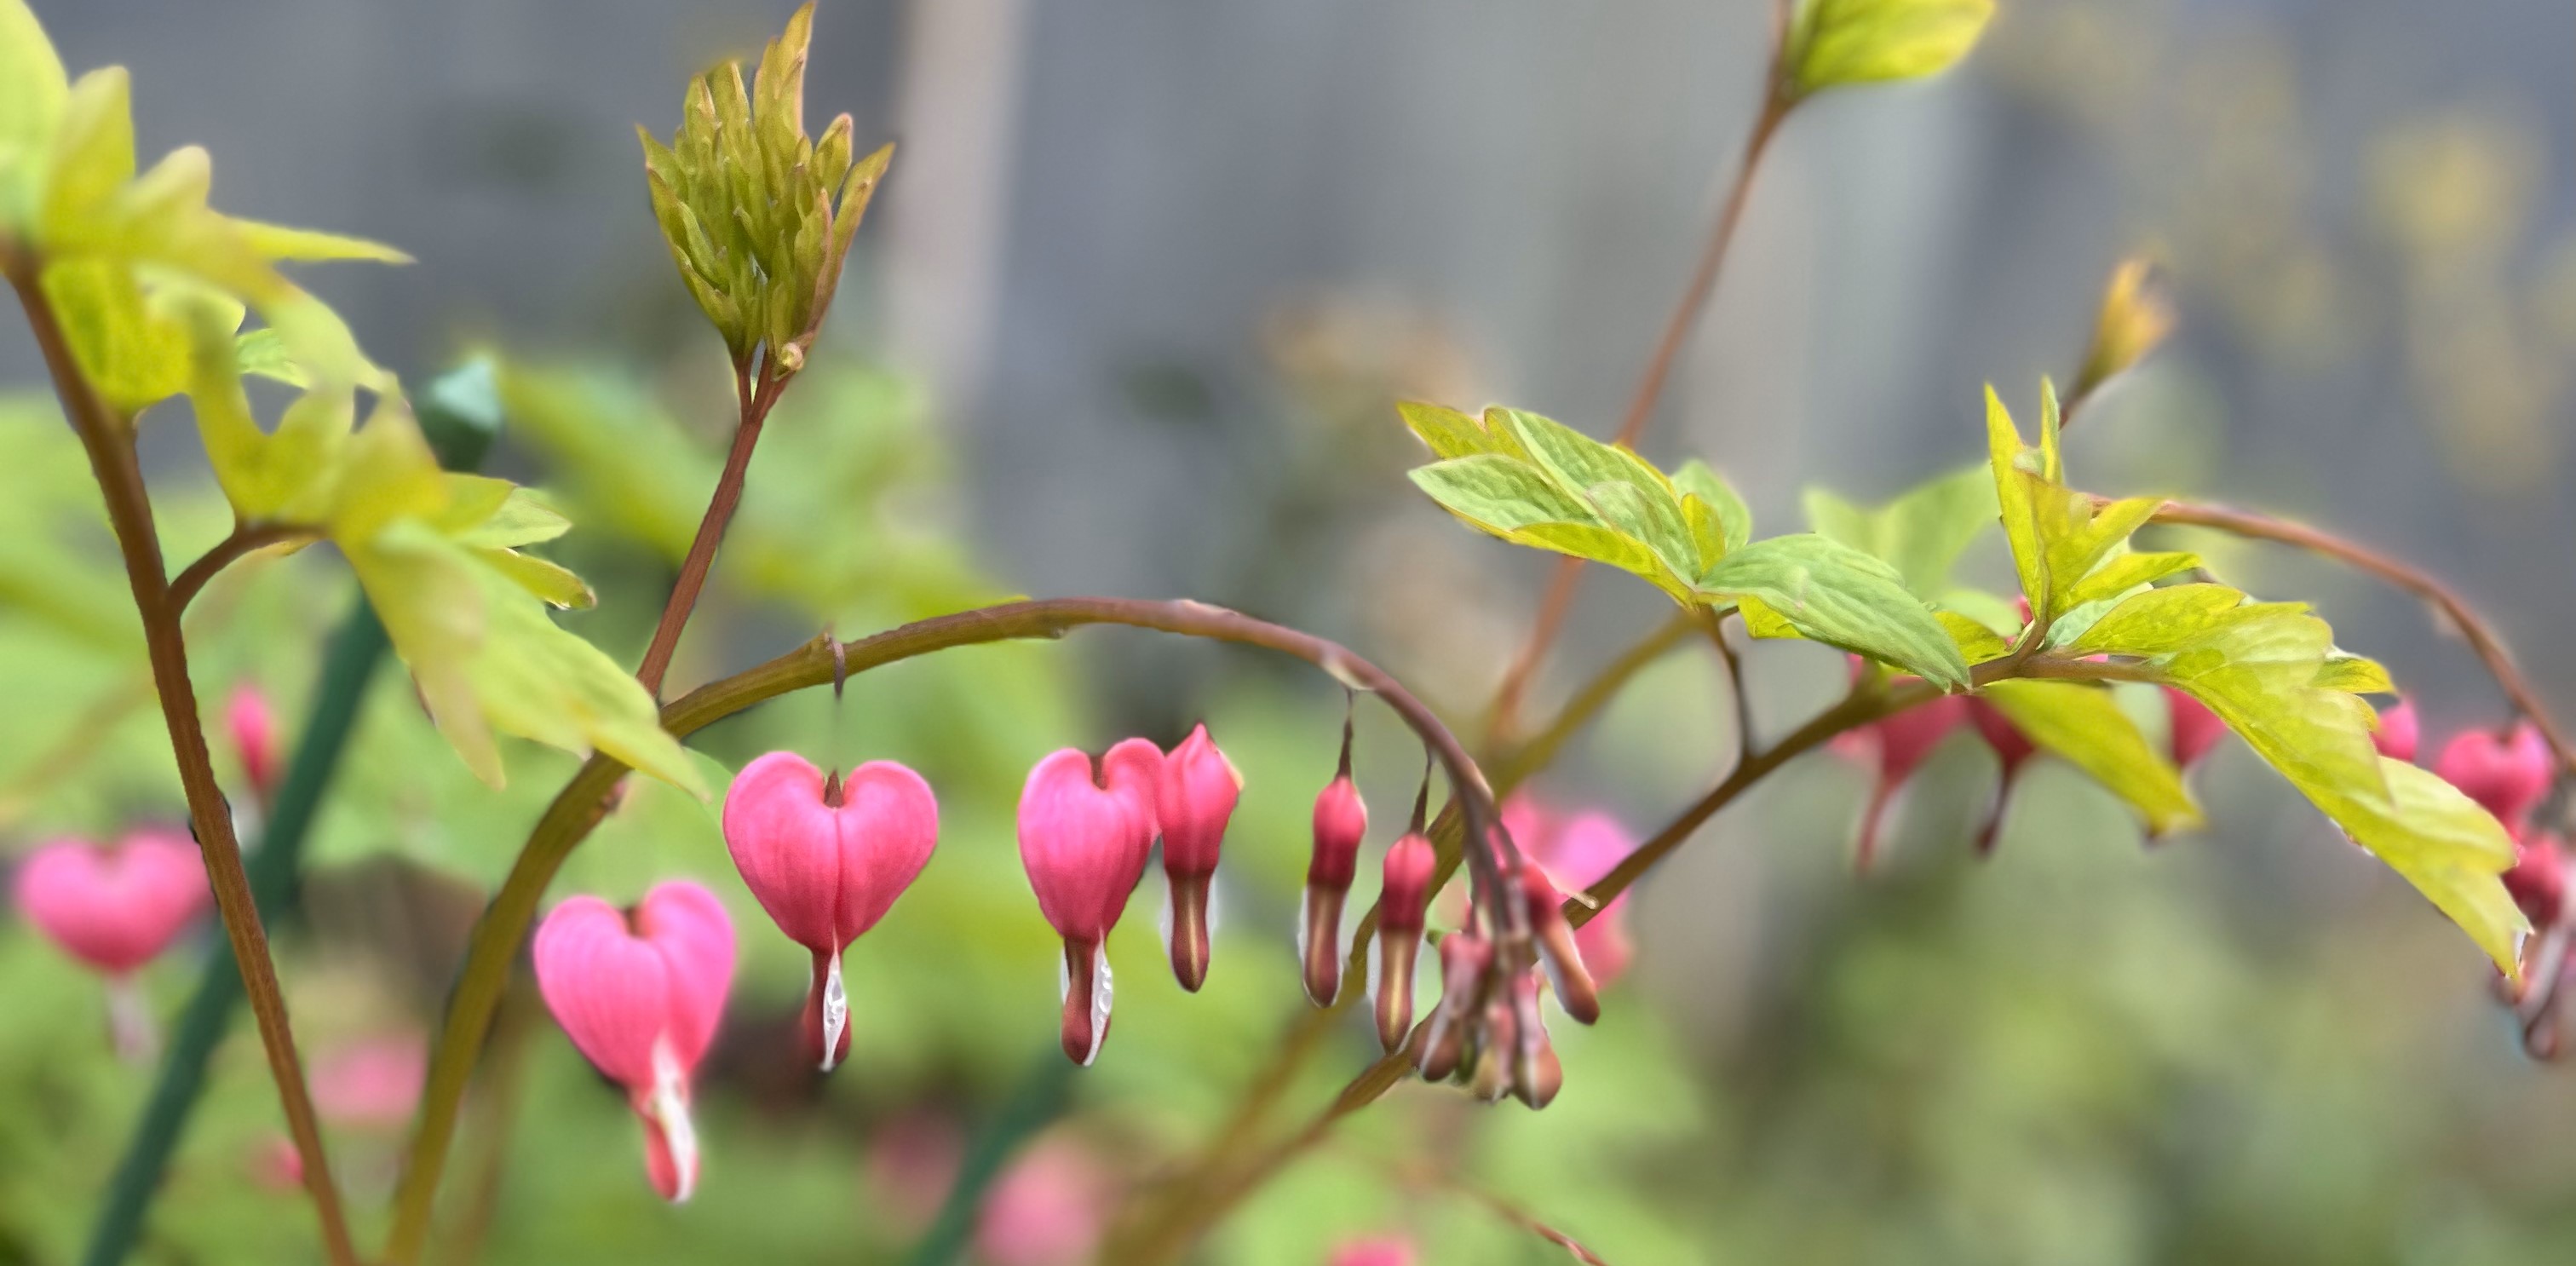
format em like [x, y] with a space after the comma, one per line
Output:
[1561, 583]
[2482, 637]
[109, 442]
[246, 538]
[755, 393]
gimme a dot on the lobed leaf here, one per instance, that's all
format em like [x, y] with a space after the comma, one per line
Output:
[2084, 725]
[1832, 593]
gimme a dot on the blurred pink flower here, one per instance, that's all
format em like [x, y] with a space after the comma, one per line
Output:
[1084, 840]
[1048, 1209]
[911, 1162]
[1376, 1250]
[114, 907]
[370, 1083]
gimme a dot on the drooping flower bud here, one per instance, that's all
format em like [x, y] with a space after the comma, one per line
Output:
[1579, 852]
[1554, 937]
[1084, 841]
[117, 908]
[2538, 880]
[1403, 898]
[2195, 729]
[1196, 798]
[640, 994]
[253, 730]
[1466, 962]
[1537, 1074]
[1896, 745]
[2012, 749]
[2508, 775]
[1341, 822]
[827, 857]
[2398, 731]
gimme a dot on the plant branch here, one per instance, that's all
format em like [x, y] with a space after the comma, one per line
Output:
[1561, 584]
[583, 801]
[2482, 637]
[109, 441]
[754, 393]
[245, 539]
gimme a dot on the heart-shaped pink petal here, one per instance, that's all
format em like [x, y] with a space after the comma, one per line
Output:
[115, 908]
[640, 997]
[828, 873]
[618, 986]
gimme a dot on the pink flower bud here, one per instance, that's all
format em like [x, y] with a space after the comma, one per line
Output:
[1384, 1250]
[1341, 822]
[115, 908]
[2013, 749]
[2538, 880]
[1897, 745]
[2508, 775]
[827, 857]
[1402, 900]
[639, 994]
[1581, 852]
[2195, 729]
[2398, 731]
[1084, 841]
[1466, 964]
[253, 729]
[1554, 937]
[1196, 796]
[1537, 1074]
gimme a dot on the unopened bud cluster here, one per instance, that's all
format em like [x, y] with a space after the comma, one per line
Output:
[758, 215]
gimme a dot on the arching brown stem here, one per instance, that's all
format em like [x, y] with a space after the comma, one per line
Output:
[583, 801]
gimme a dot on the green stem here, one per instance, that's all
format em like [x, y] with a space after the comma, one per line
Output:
[346, 669]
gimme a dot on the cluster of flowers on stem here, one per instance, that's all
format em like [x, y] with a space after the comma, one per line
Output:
[828, 854]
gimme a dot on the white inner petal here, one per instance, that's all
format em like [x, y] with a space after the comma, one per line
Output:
[670, 1105]
[1100, 990]
[836, 1012]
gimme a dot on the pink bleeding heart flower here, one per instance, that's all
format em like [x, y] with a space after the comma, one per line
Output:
[1340, 823]
[1048, 1209]
[115, 908]
[2508, 775]
[1084, 840]
[2195, 728]
[1404, 897]
[2013, 749]
[1377, 1250]
[827, 857]
[1897, 745]
[1194, 800]
[253, 730]
[640, 994]
[2538, 879]
[2398, 732]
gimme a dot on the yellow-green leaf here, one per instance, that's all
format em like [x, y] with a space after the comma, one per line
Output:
[276, 241]
[2084, 725]
[33, 94]
[1977, 643]
[1832, 593]
[1835, 42]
